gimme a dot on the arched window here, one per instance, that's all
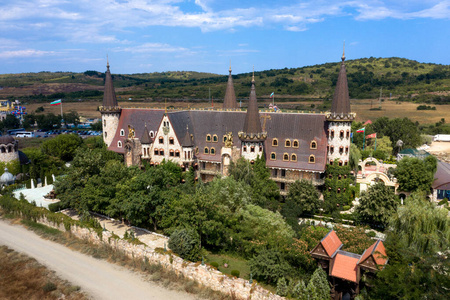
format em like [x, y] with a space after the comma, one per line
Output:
[161, 151]
[348, 133]
[177, 153]
[215, 138]
[206, 151]
[331, 161]
[208, 138]
[260, 148]
[287, 143]
[224, 138]
[341, 134]
[340, 163]
[339, 177]
[331, 149]
[245, 148]
[171, 141]
[313, 145]
[161, 140]
[171, 152]
[252, 149]
[285, 157]
[294, 157]
[152, 134]
[345, 163]
[330, 176]
[104, 123]
[213, 151]
[106, 134]
[119, 144]
[274, 142]
[312, 159]
[341, 150]
[295, 144]
[156, 152]
[339, 190]
[122, 132]
[346, 150]
[332, 133]
[273, 156]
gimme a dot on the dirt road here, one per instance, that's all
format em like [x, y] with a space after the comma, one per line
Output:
[99, 279]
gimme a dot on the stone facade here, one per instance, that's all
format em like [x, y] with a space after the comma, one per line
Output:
[110, 121]
[9, 149]
[205, 275]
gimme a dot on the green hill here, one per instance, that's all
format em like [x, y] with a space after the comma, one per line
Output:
[399, 77]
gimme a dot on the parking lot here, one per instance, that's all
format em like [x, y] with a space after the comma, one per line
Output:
[51, 133]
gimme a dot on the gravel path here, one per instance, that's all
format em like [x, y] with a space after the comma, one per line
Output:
[98, 278]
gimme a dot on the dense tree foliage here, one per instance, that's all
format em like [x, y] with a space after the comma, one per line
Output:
[414, 174]
[305, 195]
[337, 191]
[186, 243]
[63, 146]
[417, 245]
[10, 122]
[376, 205]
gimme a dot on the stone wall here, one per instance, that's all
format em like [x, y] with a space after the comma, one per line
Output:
[205, 275]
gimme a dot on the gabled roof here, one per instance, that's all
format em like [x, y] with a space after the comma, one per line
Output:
[109, 96]
[229, 102]
[330, 243]
[187, 140]
[252, 123]
[377, 252]
[345, 266]
[341, 100]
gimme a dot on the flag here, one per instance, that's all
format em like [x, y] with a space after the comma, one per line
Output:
[56, 102]
[351, 134]
[371, 136]
[361, 130]
[271, 95]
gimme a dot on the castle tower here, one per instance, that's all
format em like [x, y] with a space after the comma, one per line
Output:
[146, 143]
[229, 101]
[340, 120]
[110, 110]
[252, 136]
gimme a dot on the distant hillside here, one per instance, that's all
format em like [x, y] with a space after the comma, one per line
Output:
[402, 78]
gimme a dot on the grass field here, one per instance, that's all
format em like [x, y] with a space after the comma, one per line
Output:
[390, 109]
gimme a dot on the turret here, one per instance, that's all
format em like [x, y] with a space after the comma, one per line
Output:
[110, 109]
[229, 101]
[340, 120]
[252, 136]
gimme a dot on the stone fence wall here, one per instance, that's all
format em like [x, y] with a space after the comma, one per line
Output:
[205, 275]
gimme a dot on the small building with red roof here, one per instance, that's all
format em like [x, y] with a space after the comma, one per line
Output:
[345, 269]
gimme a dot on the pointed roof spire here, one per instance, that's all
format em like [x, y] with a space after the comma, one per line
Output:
[145, 139]
[229, 102]
[109, 95]
[341, 100]
[252, 124]
[187, 140]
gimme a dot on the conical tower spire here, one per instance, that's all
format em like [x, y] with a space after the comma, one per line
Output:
[341, 99]
[109, 96]
[229, 101]
[252, 125]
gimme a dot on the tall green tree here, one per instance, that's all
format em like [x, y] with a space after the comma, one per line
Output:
[319, 280]
[414, 174]
[63, 146]
[305, 195]
[376, 205]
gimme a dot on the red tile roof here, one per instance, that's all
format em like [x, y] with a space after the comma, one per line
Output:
[345, 267]
[378, 251]
[331, 242]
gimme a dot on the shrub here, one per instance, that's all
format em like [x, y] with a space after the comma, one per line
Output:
[214, 264]
[371, 234]
[49, 287]
[443, 201]
[282, 288]
[235, 273]
[346, 207]
[186, 243]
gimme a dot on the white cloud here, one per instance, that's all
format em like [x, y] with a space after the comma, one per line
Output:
[153, 48]
[25, 53]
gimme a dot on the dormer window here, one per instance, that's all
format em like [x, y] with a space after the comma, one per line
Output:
[215, 138]
[275, 142]
[152, 134]
[122, 132]
[161, 140]
[287, 143]
[208, 138]
[273, 156]
[294, 157]
[285, 157]
[313, 145]
[312, 159]
[213, 151]
[206, 150]
[295, 144]
[225, 138]
[119, 144]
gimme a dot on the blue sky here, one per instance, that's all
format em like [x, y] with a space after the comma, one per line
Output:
[141, 36]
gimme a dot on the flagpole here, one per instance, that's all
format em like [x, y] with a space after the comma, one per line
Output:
[364, 141]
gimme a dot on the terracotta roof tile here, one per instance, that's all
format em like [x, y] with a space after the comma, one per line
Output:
[377, 251]
[345, 266]
[331, 242]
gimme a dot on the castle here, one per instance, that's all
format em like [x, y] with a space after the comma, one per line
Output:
[295, 145]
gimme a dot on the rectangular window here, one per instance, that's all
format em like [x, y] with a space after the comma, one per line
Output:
[283, 173]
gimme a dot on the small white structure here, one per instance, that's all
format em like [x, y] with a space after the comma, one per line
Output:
[441, 138]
